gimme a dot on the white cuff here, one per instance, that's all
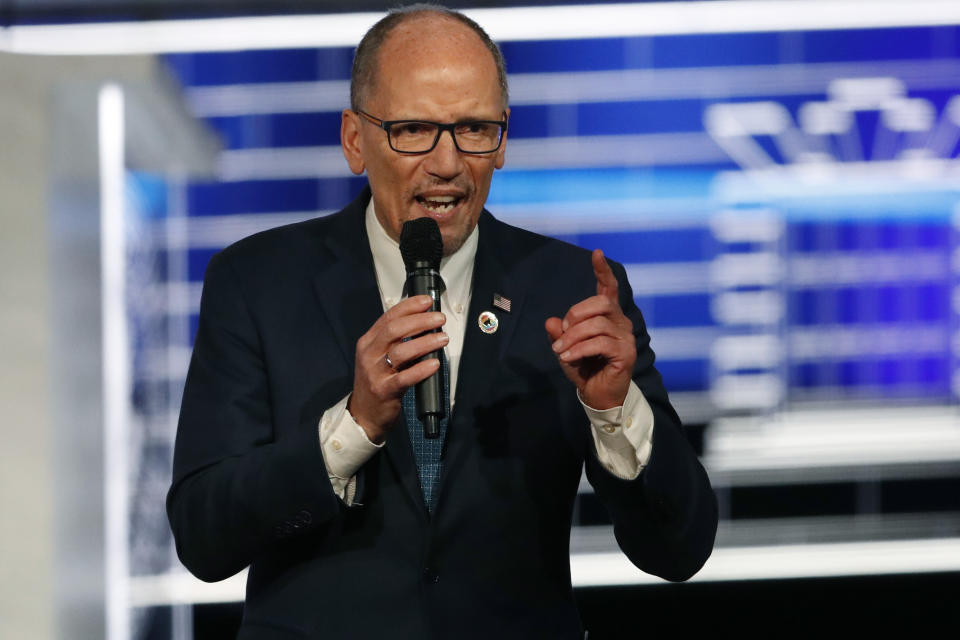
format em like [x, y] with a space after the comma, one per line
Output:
[345, 448]
[623, 436]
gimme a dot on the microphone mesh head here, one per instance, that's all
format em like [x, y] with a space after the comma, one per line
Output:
[420, 241]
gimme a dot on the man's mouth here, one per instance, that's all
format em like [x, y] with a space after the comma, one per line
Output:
[439, 204]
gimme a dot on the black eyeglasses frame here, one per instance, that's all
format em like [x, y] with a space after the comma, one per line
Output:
[441, 127]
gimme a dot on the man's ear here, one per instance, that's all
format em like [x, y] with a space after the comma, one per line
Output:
[350, 140]
[502, 151]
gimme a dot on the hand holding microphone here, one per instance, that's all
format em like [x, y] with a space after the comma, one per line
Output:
[402, 347]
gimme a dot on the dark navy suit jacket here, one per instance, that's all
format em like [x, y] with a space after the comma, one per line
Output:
[280, 316]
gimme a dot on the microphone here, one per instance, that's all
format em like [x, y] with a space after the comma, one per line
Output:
[421, 246]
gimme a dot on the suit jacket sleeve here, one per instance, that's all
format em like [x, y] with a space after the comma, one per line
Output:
[237, 488]
[665, 520]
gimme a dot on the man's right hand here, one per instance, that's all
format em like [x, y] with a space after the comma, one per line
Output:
[378, 387]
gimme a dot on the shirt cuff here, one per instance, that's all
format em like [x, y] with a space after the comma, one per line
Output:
[345, 448]
[623, 436]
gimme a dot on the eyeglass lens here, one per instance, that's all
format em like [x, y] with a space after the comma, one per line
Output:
[418, 137]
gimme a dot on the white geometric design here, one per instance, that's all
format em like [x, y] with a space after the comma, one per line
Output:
[828, 132]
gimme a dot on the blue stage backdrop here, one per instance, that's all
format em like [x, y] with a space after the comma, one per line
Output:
[785, 203]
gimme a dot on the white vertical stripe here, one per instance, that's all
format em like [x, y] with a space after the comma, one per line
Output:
[116, 358]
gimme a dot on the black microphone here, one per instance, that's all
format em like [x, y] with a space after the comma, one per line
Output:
[421, 246]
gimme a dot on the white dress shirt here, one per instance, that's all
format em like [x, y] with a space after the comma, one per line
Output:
[622, 436]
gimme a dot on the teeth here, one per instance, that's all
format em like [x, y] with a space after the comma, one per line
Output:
[439, 203]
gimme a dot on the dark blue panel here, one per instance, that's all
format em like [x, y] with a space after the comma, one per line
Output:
[889, 235]
[803, 307]
[566, 55]
[847, 305]
[930, 236]
[642, 52]
[197, 261]
[653, 116]
[850, 236]
[890, 304]
[600, 118]
[802, 236]
[804, 375]
[710, 50]
[685, 375]
[933, 303]
[690, 310]
[278, 130]
[848, 373]
[868, 44]
[541, 121]
[934, 372]
[890, 372]
[267, 196]
[669, 245]
[238, 67]
[739, 247]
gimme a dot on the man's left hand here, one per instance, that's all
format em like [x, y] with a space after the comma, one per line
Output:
[594, 342]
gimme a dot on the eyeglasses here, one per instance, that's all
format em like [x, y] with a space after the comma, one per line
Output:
[421, 136]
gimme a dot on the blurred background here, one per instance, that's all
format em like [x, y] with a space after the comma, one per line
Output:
[780, 179]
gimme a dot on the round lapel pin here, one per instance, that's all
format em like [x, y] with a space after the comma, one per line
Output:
[488, 322]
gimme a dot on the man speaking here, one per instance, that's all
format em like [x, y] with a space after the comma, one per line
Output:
[300, 452]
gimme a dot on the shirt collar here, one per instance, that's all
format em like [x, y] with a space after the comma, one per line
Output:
[456, 270]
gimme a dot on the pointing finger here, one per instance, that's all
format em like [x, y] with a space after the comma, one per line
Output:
[606, 281]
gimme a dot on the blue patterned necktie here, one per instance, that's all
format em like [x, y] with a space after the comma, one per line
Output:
[427, 451]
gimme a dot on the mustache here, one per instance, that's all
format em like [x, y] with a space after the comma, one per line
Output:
[460, 185]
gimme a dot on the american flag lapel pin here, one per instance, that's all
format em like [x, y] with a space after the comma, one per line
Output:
[501, 302]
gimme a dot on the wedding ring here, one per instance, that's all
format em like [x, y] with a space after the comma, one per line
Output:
[389, 362]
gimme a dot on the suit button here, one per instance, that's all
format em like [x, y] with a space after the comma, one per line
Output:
[430, 576]
[305, 517]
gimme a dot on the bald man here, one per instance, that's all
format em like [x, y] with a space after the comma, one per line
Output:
[298, 453]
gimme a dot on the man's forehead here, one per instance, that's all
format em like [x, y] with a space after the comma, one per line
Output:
[432, 36]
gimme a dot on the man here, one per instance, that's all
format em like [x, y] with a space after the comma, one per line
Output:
[305, 352]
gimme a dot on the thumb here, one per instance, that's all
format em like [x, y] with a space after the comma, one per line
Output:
[554, 327]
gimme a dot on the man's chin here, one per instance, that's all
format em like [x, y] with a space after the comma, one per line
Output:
[452, 244]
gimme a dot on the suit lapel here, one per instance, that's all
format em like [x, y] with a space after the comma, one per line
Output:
[345, 283]
[346, 287]
[482, 352]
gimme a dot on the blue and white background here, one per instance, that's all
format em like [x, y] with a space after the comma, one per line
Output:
[784, 202]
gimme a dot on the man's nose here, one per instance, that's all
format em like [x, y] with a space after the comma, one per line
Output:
[445, 161]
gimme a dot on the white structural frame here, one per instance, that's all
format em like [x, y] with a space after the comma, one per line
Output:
[506, 24]
[117, 358]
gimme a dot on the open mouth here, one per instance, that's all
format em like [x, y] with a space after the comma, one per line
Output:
[439, 204]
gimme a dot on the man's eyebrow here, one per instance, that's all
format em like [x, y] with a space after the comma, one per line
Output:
[478, 119]
[462, 120]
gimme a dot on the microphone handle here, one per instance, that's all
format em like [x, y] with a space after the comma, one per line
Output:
[429, 392]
